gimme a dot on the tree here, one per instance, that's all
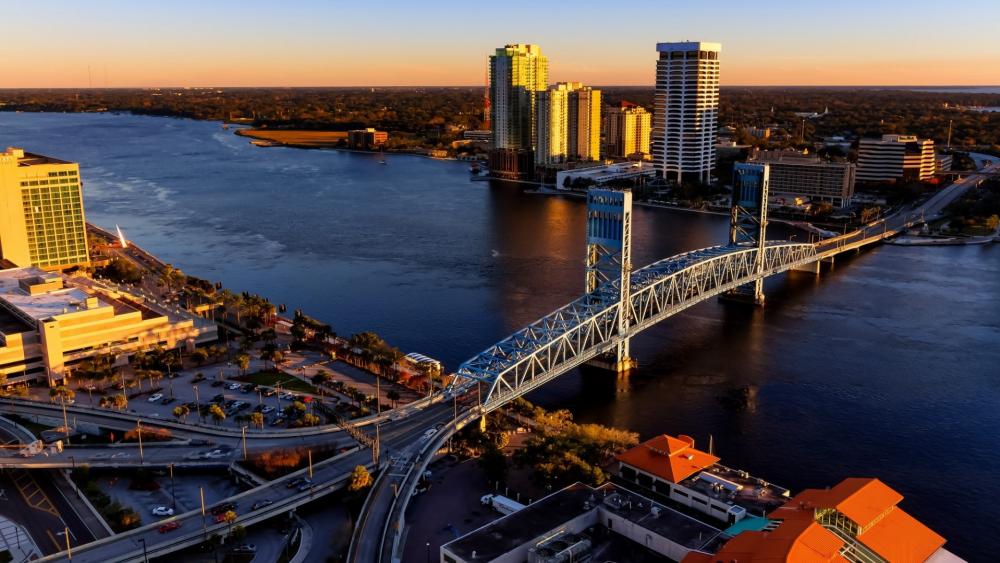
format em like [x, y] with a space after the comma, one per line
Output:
[310, 419]
[229, 517]
[217, 414]
[181, 412]
[238, 533]
[360, 479]
[200, 356]
[171, 277]
[120, 402]
[257, 419]
[62, 393]
[393, 396]
[243, 362]
[322, 377]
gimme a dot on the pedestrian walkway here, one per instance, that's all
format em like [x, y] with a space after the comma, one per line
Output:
[17, 541]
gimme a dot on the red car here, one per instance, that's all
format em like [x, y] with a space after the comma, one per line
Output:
[220, 517]
[173, 525]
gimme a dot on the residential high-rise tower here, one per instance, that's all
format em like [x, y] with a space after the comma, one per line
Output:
[627, 128]
[685, 120]
[583, 123]
[517, 73]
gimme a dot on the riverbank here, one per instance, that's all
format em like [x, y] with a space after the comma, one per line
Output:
[327, 140]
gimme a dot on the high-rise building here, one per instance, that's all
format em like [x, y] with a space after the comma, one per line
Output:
[685, 117]
[583, 123]
[567, 124]
[627, 128]
[41, 211]
[517, 73]
[795, 175]
[895, 157]
[551, 135]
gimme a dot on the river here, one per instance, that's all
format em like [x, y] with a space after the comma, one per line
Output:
[886, 366]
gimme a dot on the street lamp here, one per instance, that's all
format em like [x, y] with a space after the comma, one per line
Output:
[244, 430]
[173, 493]
[138, 431]
[197, 402]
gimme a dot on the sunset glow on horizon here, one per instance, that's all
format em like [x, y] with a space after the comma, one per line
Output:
[65, 44]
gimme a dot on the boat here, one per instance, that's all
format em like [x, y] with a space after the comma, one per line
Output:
[474, 169]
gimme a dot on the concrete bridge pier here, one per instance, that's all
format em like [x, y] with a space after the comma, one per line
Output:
[810, 268]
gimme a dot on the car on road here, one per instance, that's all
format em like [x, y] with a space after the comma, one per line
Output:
[270, 392]
[233, 386]
[245, 548]
[217, 454]
[163, 511]
[267, 410]
[261, 504]
[223, 508]
[169, 526]
[295, 482]
[249, 387]
[121, 455]
[155, 397]
[305, 485]
[429, 434]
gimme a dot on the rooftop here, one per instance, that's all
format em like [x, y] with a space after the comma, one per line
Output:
[671, 459]
[40, 305]
[30, 159]
[550, 513]
[688, 46]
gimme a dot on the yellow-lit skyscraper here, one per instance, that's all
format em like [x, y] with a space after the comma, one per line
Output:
[517, 73]
[583, 121]
[41, 211]
[551, 135]
[627, 129]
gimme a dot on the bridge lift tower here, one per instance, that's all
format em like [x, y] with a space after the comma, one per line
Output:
[609, 263]
[748, 223]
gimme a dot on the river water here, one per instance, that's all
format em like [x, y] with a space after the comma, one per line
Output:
[887, 366]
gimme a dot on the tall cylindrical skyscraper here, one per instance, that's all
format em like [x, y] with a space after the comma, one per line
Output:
[686, 116]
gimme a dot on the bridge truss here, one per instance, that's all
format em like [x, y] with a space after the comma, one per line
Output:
[590, 325]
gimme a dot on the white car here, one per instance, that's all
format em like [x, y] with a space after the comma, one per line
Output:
[155, 397]
[233, 386]
[163, 511]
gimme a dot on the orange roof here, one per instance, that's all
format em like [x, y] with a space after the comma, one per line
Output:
[862, 500]
[796, 541]
[899, 537]
[669, 458]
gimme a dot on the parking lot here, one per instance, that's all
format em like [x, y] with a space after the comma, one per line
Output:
[187, 487]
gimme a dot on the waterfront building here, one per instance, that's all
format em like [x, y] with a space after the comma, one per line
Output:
[895, 157]
[672, 467]
[627, 129]
[551, 134]
[41, 211]
[583, 123]
[686, 112]
[579, 522]
[943, 162]
[603, 174]
[857, 520]
[366, 139]
[478, 135]
[517, 73]
[50, 322]
[796, 176]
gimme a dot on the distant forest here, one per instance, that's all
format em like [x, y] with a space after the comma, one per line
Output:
[435, 116]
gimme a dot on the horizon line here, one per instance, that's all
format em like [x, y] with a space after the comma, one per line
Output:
[176, 87]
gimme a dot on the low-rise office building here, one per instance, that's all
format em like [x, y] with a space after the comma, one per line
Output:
[895, 157]
[600, 175]
[366, 139]
[49, 323]
[795, 176]
[575, 523]
[674, 468]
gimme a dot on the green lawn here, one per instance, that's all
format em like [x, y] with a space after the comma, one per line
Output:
[271, 378]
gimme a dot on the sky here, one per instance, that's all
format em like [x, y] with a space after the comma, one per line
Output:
[161, 43]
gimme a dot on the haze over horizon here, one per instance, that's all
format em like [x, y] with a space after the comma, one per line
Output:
[312, 43]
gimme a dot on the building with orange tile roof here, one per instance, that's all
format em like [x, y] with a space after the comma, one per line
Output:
[672, 467]
[857, 520]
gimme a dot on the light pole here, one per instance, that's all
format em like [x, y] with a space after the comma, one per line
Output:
[173, 493]
[69, 548]
[65, 420]
[138, 431]
[197, 401]
[145, 559]
[244, 429]
[204, 525]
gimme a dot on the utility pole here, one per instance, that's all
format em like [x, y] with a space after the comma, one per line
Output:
[310, 454]
[244, 429]
[173, 493]
[950, 122]
[65, 420]
[69, 548]
[197, 401]
[204, 525]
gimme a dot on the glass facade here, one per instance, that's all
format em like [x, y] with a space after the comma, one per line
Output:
[54, 221]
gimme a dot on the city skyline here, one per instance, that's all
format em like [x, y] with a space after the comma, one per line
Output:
[310, 44]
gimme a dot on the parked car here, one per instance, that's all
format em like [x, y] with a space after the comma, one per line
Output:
[245, 548]
[169, 401]
[270, 392]
[163, 511]
[172, 525]
[267, 410]
[218, 398]
[261, 504]
[155, 397]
